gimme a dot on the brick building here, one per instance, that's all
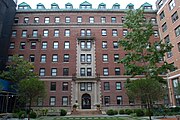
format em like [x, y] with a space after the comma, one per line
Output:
[169, 29]
[75, 51]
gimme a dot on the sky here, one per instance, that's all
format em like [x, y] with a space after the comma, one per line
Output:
[95, 3]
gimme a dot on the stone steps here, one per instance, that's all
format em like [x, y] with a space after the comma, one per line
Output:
[86, 112]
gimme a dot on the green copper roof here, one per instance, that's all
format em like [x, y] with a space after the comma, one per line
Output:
[68, 4]
[116, 4]
[146, 4]
[85, 3]
[23, 4]
[130, 4]
[102, 4]
[54, 4]
[40, 4]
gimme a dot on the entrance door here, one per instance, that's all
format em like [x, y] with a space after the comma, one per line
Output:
[86, 101]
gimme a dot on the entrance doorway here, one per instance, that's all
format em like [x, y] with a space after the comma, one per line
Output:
[86, 101]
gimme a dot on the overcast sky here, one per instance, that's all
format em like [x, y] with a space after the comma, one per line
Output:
[95, 3]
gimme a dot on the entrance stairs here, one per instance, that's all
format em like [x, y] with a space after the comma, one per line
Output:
[86, 112]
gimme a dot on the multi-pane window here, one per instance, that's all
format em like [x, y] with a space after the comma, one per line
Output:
[103, 19]
[171, 4]
[88, 32]
[21, 56]
[167, 41]
[67, 33]
[39, 101]
[42, 72]
[65, 71]
[179, 46]
[123, 19]
[156, 33]
[89, 72]
[89, 86]
[45, 33]
[117, 71]
[53, 71]
[35, 33]
[103, 32]
[33, 45]
[91, 20]
[82, 86]
[44, 45]
[83, 32]
[153, 20]
[43, 58]
[114, 32]
[46, 20]
[113, 19]
[125, 32]
[24, 33]
[10, 58]
[104, 44]
[12, 45]
[16, 20]
[115, 45]
[56, 33]
[53, 86]
[64, 100]
[82, 72]
[79, 19]
[36, 20]
[54, 58]
[160, 4]
[174, 17]
[66, 45]
[26, 20]
[116, 57]
[106, 100]
[85, 86]
[55, 45]
[119, 100]
[22, 45]
[118, 86]
[14, 33]
[66, 57]
[65, 86]
[177, 31]
[105, 58]
[86, 45]
[52, 101]
[57, 20]
[82, 57]
[105, 71]
[67, 20]
[31, 58]
[89, 58]
[162, 15]
[164, 27]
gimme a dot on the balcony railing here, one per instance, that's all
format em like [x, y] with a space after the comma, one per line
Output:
[31, 37]
[80, 76]
[90, 36]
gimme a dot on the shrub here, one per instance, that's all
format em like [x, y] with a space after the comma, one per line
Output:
[63, 112]
[33, 114]
[147, 113]
[128, 111]
[22, 114]
[115, 112]
[139, 112]
[121, 111]
[110, 112]
[15, 115]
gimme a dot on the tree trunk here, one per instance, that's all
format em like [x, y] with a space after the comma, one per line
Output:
[29, 109]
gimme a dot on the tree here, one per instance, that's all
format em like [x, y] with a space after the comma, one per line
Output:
[143, 56]
[30, 89]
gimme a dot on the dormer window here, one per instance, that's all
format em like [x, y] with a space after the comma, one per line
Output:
[23, 6]
[40, 6]
[68, 6]
[85, 5]
[130, 6]
[102, 6]
[146, 6]
[116, 6]
[54, 6]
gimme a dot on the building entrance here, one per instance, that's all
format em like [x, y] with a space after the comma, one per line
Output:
[86, 101]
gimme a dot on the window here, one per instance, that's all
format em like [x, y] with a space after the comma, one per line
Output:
[31, 58]
[42, 72]
[123, 19]
[113, 19]
[89, 72]
[167, 41]
[83, 32]
[79, 19]
[45, 33]
[89, 58]
[103, 32]
[105, 58]
[26, 20]
[52, 101]
[114, 32]
[10, 58]
[104, 44]
[85, 86]
[67, 33]
[156, 33]
[82, 71]
[64, 100]
[44, 45]
[33, 45]
[12, 45]
[82, 86]
[117, 71]
[65, 86]
[115, 45]
[103, 19]
[105, 71]
[119, 100]
[91, 20]
[53, 86]
[66, 45]
[16, 20]
[125, 32]
[88, 32]
[153, 20]
[82, 44]
[164, 27]
[174, 17]
[106, 100]
[21, 56]
[14, 33]
[67, 20]
[36, 20]
[53, 71]
[65, 71]
[89, 86]
[35, 33]
[22, 45]
[39, 101]
[55, 45]
[46, 20]
[177, 31]
[171, 4]
[24, 33]
[179, 46]
[118, 85]
[82, 57]
[56, 33]
[54, 58]
[86, 45]
[160, 4]
[43, 58]
[57, 20]
[162, 15]
[66, 57]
